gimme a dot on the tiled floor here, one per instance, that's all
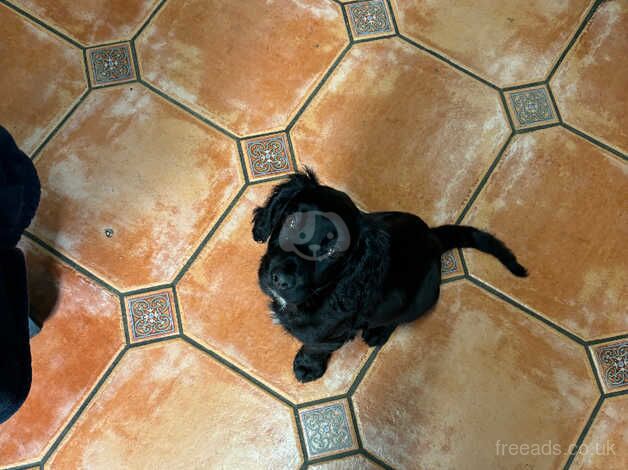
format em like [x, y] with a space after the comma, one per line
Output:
[158, 125]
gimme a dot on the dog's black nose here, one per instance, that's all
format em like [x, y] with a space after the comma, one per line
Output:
[282, 281]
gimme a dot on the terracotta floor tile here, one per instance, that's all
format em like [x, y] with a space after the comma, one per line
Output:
[169, 405]
[129, 162]
[473, 373]
[92, 21]
[590, 85]
[42, 77]
[223, 307]
[357, 462]
[247, 65]
[79, 339]
[363, 133]
[606, 443]
[559, 203]
[509, 42]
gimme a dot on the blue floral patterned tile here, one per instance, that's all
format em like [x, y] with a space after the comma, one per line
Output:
[111, 64]
[451, 264]
[268, 156]
[531, 107]
[612, 364]
[327, 429]
[151, 315]
[369, 18]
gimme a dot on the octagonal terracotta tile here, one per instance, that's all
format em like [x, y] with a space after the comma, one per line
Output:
[363, 134]
[560, 203]
[92, 21]
[81, 335]
[473, 367]
[169, 405]
[42, 77]
[508, 42]
[246, 65]
[590, 85]
[131, 184]
[606, 443]
[223, 308]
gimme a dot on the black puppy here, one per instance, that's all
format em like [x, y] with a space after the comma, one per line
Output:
[332, 269]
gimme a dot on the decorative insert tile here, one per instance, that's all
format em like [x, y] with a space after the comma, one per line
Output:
[327, 429]
[268, 156]
[111, 64]
[369, 18]
[611, 360]
[530, 107]
[451, 265]
[151, 315]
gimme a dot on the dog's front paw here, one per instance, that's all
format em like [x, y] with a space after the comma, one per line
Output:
[377, 336]
[309, 367]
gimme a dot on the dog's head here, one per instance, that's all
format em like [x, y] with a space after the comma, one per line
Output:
[316, 239]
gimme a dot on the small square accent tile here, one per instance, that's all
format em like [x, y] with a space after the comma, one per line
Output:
[327, 429]
[530, 107]
[268, 156]
[611, 360]
[151, 315]
[369, 18]
[451, 265]
[111, 64]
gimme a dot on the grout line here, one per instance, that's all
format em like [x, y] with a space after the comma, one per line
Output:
[115, 84]
[320, 84]
[25, 466]
[71, 263]
[358, 380]
[376, 460]
[551, 95]
[245, 172]
[376, 38]
[618, 393]
[607, 340]
[86, 65]
[186, 108]
[392, 16]
[136, 62]
[334, 457]
[245, 375]
[594, 369]
[507, 111]
[161, 339]
[293, 155]
[145, 290]
[301, 437]
[211, 232]
[447, 61]
[574, 38]
[148, 20]
[521, 87]
[125, 326]
[177, 310]
[58, 127]
[536, 128]
[602, 145]
[483, 181]
[321, 401]
[36, 20]
[452, 279]
[281, 177]
[84, 405]
[583, 434]
[345, 15]
[354, 420]
[526, 310]
[465, 268]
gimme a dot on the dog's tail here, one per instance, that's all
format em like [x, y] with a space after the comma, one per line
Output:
[461, 236]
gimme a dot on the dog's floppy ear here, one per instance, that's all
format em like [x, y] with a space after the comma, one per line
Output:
[267, 216]
[363, 285]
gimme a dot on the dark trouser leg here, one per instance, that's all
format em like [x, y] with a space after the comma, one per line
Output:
[15, 354]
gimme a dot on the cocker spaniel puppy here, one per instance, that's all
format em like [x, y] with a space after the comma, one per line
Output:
[332, 270]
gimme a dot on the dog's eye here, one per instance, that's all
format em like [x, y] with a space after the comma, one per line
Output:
[291, 222]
